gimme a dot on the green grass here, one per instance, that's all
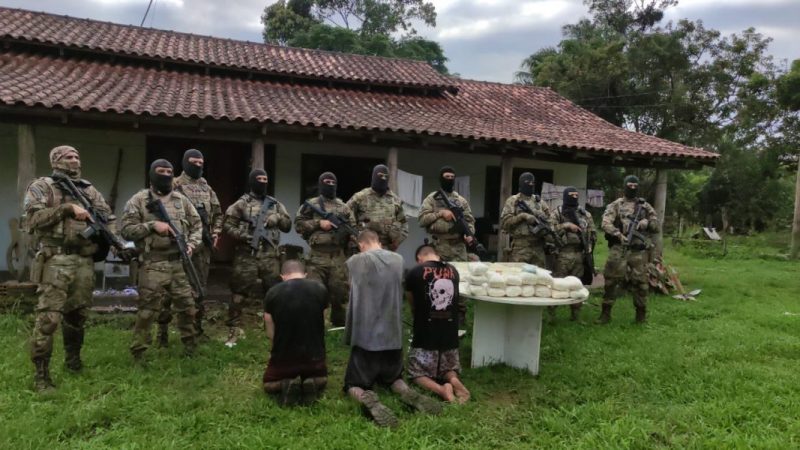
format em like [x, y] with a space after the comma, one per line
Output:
[718, 373]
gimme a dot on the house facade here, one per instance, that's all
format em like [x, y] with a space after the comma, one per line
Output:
[125, 95]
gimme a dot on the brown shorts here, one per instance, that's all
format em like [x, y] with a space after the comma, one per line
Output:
[284, 370]
[432, 363]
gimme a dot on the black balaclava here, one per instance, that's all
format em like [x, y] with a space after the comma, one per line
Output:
[191, 169]
[447, 185]
[326, 190]
[570, 205]
[631, 193]
[162, 184]
[380, 184]
[526, 183]
[258, 188]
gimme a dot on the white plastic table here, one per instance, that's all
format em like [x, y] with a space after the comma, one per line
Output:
[508, 330]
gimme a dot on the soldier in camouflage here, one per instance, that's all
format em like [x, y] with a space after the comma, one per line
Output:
[192, 184]
[326, 261]
[627, 261]
[525, 246]
[63, 267]
[255, 270]
[378, 209]
[161, 273]
[572, 221]
[440, 223]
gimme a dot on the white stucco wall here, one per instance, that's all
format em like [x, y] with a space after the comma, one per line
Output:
[99, 152]
[417, 161]
[98, 149]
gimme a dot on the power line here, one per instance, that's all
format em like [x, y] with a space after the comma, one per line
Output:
[145, 12]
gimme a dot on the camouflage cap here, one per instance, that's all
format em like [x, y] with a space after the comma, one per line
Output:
[59, 152]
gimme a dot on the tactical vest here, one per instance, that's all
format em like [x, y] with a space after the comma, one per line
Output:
[66, 233]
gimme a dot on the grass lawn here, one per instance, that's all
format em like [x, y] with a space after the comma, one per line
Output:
[718, 373]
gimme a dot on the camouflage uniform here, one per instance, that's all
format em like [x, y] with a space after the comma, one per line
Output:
[204, 199]
[569, 260]
[448, 241]
[525, 247]
[254, 272]
[161, 273]
[382, 214]
[64, 269]
[326, 261]
[627, 264]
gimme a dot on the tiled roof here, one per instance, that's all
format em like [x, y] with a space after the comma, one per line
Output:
[481, 111]
[22, 25]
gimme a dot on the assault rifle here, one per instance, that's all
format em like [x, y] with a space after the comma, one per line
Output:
[632, 231]
[260, 226]
[541, 226]
[337, 222]
[97, 230]
[462, 226]
[587, 257]
[203, 213]
[157, 209]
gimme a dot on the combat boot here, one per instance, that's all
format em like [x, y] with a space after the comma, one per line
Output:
[575, 314]
[41, 378]
[163, 335]
[605, 315]
[200, 334]
[73, 341]
[641, 315]
[189, 347]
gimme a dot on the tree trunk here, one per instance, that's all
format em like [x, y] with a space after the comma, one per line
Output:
[506, 172]
[391, 163]
[795, 249]
[257, 156]
[661, 208]
[26, 171]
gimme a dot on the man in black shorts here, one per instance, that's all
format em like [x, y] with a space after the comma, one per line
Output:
[374, 330]
[293, 315]
[433, 361]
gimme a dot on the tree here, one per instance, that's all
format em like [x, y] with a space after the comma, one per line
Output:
[789, 98]
[681, 82]
[367, 27]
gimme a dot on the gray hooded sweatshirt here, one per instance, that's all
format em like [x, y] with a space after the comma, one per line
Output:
[374, 320]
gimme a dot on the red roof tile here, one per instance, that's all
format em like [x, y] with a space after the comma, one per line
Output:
[480, 111]
[136, 41]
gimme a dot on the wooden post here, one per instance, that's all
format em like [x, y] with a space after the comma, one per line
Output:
[795, 250]
[26, 171]
[661, 206]
[391, 163]
[257, 156]
[506, 172]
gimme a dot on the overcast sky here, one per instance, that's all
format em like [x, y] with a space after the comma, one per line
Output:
[484, 39]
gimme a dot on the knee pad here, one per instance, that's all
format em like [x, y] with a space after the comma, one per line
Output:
[146, 314]
[48, 322]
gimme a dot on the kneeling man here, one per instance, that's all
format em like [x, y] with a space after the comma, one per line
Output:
[293, 315]
[374, 331]
[433, 361]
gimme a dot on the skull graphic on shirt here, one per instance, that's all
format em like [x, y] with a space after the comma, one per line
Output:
[441, 293]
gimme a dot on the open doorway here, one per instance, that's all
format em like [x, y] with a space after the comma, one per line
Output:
[352, 173]
[227, 165]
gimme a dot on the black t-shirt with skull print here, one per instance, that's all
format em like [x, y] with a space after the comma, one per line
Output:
[434, 288]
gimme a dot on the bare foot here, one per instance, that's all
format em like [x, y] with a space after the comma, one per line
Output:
[447, 392]
[461, 393]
